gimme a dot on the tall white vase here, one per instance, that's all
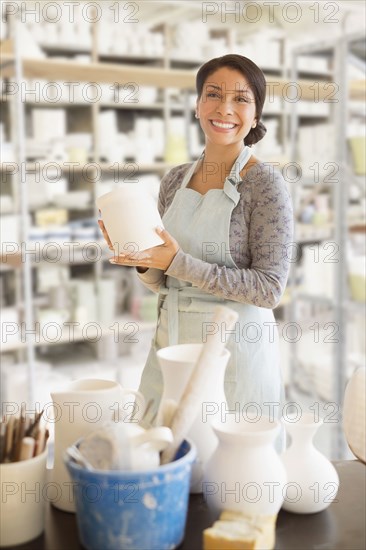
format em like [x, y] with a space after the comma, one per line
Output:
[177, 363]
[245, 473]
[312, 479]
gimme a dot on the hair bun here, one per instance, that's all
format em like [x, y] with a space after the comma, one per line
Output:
[256, 134]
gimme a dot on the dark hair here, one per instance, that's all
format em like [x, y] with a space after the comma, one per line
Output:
[256, 81]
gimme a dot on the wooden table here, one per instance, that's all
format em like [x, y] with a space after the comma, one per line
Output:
[341, 526]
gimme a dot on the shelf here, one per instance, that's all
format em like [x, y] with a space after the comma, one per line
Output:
[357, 226]
[133, 106]
[319, 299]
[324, 300]
[316, 73]
[298, 293]
[116, 167]
[149, 76]
[131, 58]
[10, 262]
[7, 64]
[14, 261]
[101, 72]
[158, 106]
[113, 166]
[313, 115]
[56, 49]
[122, 321]
[358, 89]
[60, 49]
[126, 166]
[307, 232]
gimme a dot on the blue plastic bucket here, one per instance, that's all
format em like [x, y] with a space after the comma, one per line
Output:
[133, 510]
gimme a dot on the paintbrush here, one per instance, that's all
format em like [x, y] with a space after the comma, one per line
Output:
[9, 432]
[26, 448]
[20, 434]
[33, 428]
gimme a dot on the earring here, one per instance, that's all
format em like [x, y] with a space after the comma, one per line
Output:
[196, 115]
[254, 125]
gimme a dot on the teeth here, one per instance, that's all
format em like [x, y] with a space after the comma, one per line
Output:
[222, 124]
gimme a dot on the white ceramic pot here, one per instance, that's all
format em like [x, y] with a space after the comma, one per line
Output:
[130, 216]
[245, 473]
[312, 480]
[23, 500]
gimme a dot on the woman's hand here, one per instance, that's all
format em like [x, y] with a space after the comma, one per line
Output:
[158, 257]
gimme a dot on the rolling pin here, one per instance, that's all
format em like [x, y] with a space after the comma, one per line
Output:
[189, 404]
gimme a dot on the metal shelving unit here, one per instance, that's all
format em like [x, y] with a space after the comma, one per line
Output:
[338, 51]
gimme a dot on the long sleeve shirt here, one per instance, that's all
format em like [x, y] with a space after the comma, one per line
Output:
[260, 237]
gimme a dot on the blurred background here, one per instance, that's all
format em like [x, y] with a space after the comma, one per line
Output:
[98, 93]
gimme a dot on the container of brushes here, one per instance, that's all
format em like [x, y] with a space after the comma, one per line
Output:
[23, 500]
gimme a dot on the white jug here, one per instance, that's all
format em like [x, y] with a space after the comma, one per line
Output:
[80, 408]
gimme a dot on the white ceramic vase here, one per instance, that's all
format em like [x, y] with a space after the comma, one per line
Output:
[312, 480]
[130, 216]
[177, 363]
[245, 472]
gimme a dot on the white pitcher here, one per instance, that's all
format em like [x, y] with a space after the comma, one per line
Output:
[79, 408]
[177, 363]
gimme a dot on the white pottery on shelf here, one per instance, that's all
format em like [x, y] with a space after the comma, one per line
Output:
[312, 480]
[177, 364]
[130, 216]
[354, 413]
[245, 472]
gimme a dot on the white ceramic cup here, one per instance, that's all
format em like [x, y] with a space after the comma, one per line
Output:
[130, 216]
[23, 500]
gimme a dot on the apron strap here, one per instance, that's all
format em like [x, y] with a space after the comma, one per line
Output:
[173, 316]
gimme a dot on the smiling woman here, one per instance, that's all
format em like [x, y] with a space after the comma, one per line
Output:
[227, 111]
[228, 221]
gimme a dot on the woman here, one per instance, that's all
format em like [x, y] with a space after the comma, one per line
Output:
[228, 220]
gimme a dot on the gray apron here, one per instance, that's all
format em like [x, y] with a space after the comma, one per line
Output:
[201, 224]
